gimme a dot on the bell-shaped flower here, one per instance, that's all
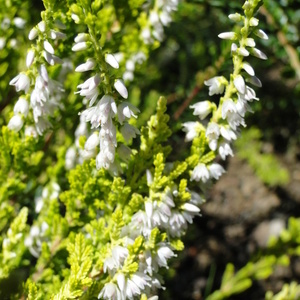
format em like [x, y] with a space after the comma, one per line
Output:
[216, 85]
[21, 82]
[202, 109]
[21, 107]
[200, 172]
[15, 123]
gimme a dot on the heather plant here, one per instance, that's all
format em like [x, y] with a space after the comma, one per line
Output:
[93, 202]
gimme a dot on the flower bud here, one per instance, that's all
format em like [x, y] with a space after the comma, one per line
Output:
[33, 33]
[15, 123]
[21, 107]
[29, 58]
[110, 59]
[121, 88]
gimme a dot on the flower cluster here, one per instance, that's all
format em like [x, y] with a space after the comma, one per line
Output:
[104, 114]
[44, 93]
[226, 119]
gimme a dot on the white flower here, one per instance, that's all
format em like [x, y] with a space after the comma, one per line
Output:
[87, 66]
[216, 85]
[192, 130]
[103, 111]
[70, 158]
[48, 47]
[163, 254]
[92, 142]
[243, 51]
[202, 109]
[30, 131]
[235, 17]
[259, 54]
[216, 170]
[21, 82]
[19, 22]
[42, 26]
[79, 46]
[239, 83]
[228, 108]
[228, 36]
[29, 58]
[126, 110]
[55, 35]
[200, 172]
[21, 107]
[15, 123]
[261, 34]
[111, 60]
[227, 133]
[33, 33]
[128, 131]
[213, 133]
[250, 42]
[225, 150]
[109, 291]
[121, 88]
[81, 37]
[248, 68]
[89, 89]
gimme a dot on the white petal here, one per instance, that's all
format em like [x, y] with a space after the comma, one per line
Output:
[79, 46]
[228, 35]
[248, 68]
[33, 33]
[48, 47]
[29, 58]
[239, 83]
[121, 88]
[110, 59]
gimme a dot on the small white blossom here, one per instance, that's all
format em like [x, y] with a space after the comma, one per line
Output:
[248, 68]
[33, 33]
[228, 36]
[259, 54]
[202, 109]
[192, 130]
[92, 142]
[126, 110]
[30, 58]
[21, 107]
[239, 83]
[48, 47]
[15, 123]
[19, 22]
[87, 66]
[121, 88]
[261, 34]
[250, 42]
[111, 60]
[213, 133]
[79, 46]
[225, 150]
[21, 82]
[216, 170]
[243, 51]
[216, 85]
[200, 172]
[42, 26]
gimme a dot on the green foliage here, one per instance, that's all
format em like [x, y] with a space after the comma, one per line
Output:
[265, 165]
[289, 292]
